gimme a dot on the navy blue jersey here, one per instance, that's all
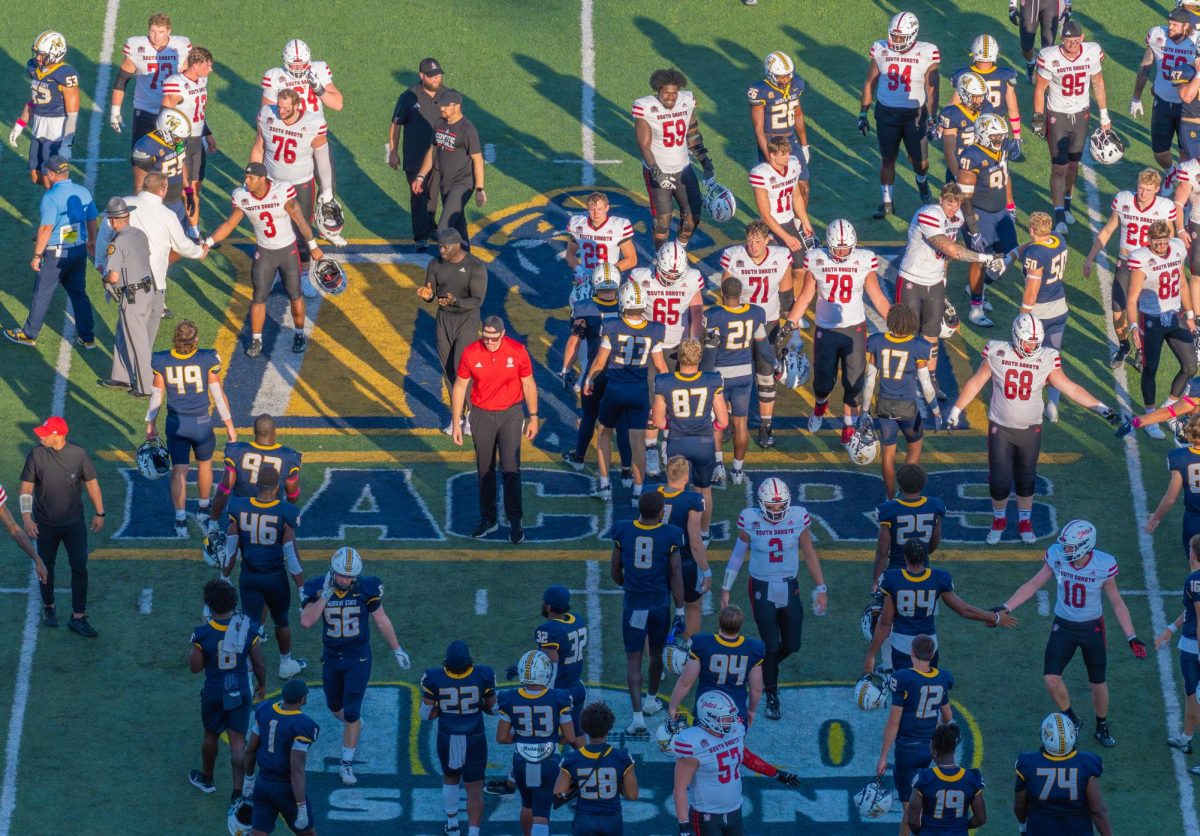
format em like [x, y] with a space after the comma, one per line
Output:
[535, 716]
[459, 697]
[779, 117]
[152, 153]
[1186, 462]
[921, 695]
[689, 401]
[916, 598]
[569, 637]
[896, 358]
[736, 329]
[598, 770]
[595, 312]
[224, 671]
[1056, 787]
[646, 560]
[997, 80]
[725, 665]
[260, 527]
[909, 520]
[280, 732]
[991, 177]
[46, 85]
[677, 507]
[1049, 256]
[946, 798]
[185, 378]
[961, 119]
[346, 612]
[631, 346]
[1191, 594]
[246, 458]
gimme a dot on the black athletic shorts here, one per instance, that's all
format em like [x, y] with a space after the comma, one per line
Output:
[929, 301]
[285, 261]
[894, 126]
[1066, 134]
[1068, 636]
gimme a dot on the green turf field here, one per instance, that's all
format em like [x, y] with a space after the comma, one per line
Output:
[108, 729]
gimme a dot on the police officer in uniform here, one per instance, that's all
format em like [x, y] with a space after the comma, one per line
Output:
[129, 280]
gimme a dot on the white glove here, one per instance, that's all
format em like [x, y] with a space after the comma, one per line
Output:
[710, 182]
[248, 787]
[114, 118]
[401, 658]
[804, 151]
[327, 589]
[302, 821]
[15, 134]
[1135, 108]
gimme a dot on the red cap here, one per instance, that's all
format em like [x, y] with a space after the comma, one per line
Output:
[54, 425]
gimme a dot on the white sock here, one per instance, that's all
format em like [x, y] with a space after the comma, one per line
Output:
[737, 464]
[720, 457]
[921, 178]
[450, 800]
[638, 719]
[637, 490]
[472, 830]
[887, 193]
[180, 514]
[257, 337]
[299, 329]
[285, 657]
[540, 830]
[848, 420]
[604, 481]
[348, 753]
[999, 513]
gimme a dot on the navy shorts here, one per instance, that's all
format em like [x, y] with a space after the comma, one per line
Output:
[1041, 824]
[540, 798]
[910, 758]
[1189, 666]
[691, 580]
[658, 624]
[1055, 329]
[630, 401]
[737, 394]
[474, 767]
[272, 589]
[701, 453]
[998, 230]
[190, 435]
[41, 150]
[271, 800]
[218, 719]
[592, 824]
[897, 417]
[345, 675]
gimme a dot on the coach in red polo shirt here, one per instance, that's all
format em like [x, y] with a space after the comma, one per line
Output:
[500, 375]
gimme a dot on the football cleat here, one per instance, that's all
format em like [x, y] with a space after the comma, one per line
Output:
[153, 460]
[346, 773]
[1106, 147]
[774, 499]
[1181, 742]
[289, 668]
[977, 316]
[765, 437]
[1025, 529]
[603, 493]
[719, 477]
[987, 306]
[653, 468]
[873, 800]
[870, 693]
[637, 731]
[1154, 431]
[328, 277]
[863, 445]
[772, 710]
[499, 786]
[999, 524]
[883, 211]
[719, 203]
[651, 705]
[1104, 735]
[737, 475]
[173, 126]
[573, 460]
[181, 529]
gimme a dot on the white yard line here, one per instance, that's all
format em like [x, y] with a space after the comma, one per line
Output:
[1043, 602]
[481, 602]
[20, 701]
[1158, 621]
[587, 105]
[146, 601]
[595, 648]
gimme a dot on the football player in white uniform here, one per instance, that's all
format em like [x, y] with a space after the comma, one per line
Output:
[1019, 370]
[187, 92]
[776, 534]
[668, 136]
[1167, 47]
[1083, 577]
[781, 203]
[150, 59]
[903, 77]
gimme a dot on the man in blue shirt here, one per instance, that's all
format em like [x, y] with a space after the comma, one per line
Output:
[66, 236]
[280, 737]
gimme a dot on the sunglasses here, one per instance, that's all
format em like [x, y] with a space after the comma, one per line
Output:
[487, 338]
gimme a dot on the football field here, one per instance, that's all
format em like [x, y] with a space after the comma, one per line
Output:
[97, 737]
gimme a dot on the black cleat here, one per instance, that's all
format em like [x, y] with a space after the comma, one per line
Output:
[168, 313]
[1118, 356]
[766, 438]
[773, 712]
[49, 617]
[81, 626]
[516, 533]
[484, 527]
[1135, 360]
[572, 459]
[498, 786]
[925, 192]
[1104, 735]
[254, 349]
[200, 781]
[883, 211]
[299, 343]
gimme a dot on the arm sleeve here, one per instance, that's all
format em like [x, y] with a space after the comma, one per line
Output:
[478, 286]
[218, 396]
[324, 167]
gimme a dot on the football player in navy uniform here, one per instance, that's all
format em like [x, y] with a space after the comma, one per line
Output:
[1000, 83]
[1189, 662]
[692, 403]
[184, 378]
[956, 122]
[646, 564]
[563, 637]
[1181, 463]
[946, 798]
[225, 649]
[775, 110]
[988, 207]
[910, 516]
[244, 460]
[164, 150]
[52, 106]
[910, 603]
[724, 661]
[920, 703]
[1058, 787]
[1044, 261]
[599, 774]
[341, 601]
[900, 359]
[536, 718]
[684, 507]
[457, 695]
[263, 530]
[280, 737]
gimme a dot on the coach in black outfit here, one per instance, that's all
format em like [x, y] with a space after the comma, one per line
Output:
[457, 156]
[52, 483]
[417, 113]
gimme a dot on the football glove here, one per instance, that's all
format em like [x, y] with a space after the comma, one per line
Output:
[932, 130]
[302, 820]
[567, 377]
[678, 626]
[327, 588]
[712, 338]
[710, 173]
[789, 779]
[1138, 647]
[952, 419]
[1126, 427]
[1111, 416]
[994, 265]
[1011, 209]
[661, 178]
[1014, 150]
[317, 87]
[864, 127]
[15, 134]
[975, 241]
[401, 658]
[114, 119]
[685, 829]
[1039, 124]
[510, 673]
[1014, 12]
[783, 337]
[189, 201]
[1136, 109]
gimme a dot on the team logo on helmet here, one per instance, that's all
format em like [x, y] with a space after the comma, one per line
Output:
[863, 446]
[990, 132]
[870, 692]
[777, 65]
[873, 800]
[346, 563]
[50, 44]
[173, 126]
[719, 203]
[671, 263]
[716, 713]
[902, 31]
[1027, 328]
[631, 297]
[971, 90]
[1058, 735]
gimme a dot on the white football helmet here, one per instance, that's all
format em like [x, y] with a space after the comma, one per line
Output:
[778, 64]
[950, 322]
[238, 819]
[971, 90]
[153, 458]
[870, 693]
[675, 655]
[873, 800]
[606, 277]
[902, 31]
[1058, 735]
[716, 712]
[985, 49]
[346, 563]
[173, 126]
[1027, 328]
[631, 298]
[667, 731]
[213, 548]
[535, 668]
[863, 446]
[991, 132]
[719, 203]
[671, 263]
[297, 58]
[870, 616]
[797, 368]
[1106, 147]
[774, 499]
[51, 44]
[841, 239]
[1078, 539]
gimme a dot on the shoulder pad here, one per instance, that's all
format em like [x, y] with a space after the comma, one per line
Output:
[370, 586]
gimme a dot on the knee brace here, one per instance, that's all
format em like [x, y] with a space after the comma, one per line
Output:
[766, 387]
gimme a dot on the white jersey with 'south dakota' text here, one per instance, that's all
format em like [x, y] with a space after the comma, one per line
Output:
[1080, 591]
[669, 304]
[1017, 383]
[717, 784]
[902, 74]
[774, 546]
[668, 129]
[153, 66]
[1069, 90]
[922, 264]
[780, 187]
[760, 279]
[840, 286]
[287, 149]
[271, 222]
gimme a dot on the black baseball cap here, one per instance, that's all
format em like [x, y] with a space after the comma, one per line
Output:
[430, 66]
[58, 163]
[256, 169]
[449, 96]
[1179, 15]
[1072, 29]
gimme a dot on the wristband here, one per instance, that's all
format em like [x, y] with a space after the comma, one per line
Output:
[99, 514]
[209, 242]
[479, 188]
[21, 123]
[1137, 422]
[26, 502]
[533, 415]
[1190, 315]
[312, 243]
[1104, 115]
[680, 611]
[862, 114]
[420, 177]
[1010, 207]
[225, 489]
[997, 623]
[1172, 627]
[187, 190]
[820, 588]
[707, 573]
